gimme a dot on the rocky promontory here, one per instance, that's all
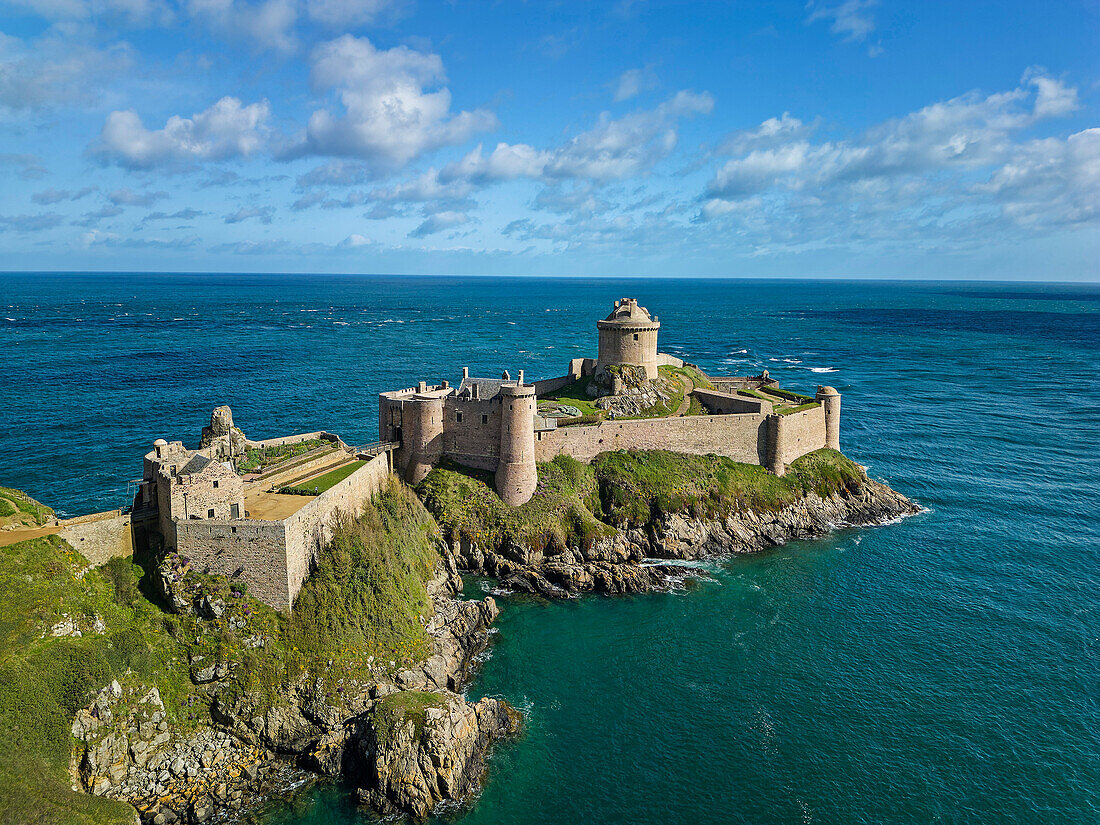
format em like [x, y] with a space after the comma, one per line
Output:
[608, 533]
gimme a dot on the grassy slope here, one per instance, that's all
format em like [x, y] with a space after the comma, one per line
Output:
[18, 508]
[576, 503]
[365, 599]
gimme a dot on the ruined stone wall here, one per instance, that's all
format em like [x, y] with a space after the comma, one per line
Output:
[725, 403]
[666, 360]
[475, 440]
[99, 537]
[258, 549]
[740, 437]
[309, 529]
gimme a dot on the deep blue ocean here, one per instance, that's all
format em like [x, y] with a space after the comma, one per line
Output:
[944, 669]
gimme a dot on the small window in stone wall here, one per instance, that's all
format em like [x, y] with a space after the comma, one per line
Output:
[215, 484]
[635, 336]
[484, 419]
[458, 417]
[210, 514]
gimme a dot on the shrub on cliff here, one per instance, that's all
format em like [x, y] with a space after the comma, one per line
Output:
[562, 512]
[66, 631]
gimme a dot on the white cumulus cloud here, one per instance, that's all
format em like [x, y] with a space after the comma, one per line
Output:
[225, 130]
[395, 106]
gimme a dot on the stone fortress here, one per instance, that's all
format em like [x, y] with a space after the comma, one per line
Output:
[492, 424]
[264, 526]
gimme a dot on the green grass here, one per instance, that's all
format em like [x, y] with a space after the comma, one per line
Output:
[560, 513]
[575, 395]
[576, 504]
[391, 713]
[318, 485]
[695, 406]
[636, 487]
[261, 457]
[799, 408]
[364, 604]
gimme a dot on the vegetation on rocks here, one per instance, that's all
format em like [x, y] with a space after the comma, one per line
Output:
[67, 630]
[562, 511]
[257, 458]
[16, 507]
[575, 503]
[391, 712]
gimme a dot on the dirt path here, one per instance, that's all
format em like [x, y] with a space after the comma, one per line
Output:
[685, 404]
[13, 536]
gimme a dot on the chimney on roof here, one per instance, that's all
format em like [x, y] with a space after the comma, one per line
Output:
[465, 373]
[520, 380]
[422, 386]
[446, 383]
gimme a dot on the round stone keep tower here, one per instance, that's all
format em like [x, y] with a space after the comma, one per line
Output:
[516, 475]
[830, 400]
[628, 336]
[422, 434]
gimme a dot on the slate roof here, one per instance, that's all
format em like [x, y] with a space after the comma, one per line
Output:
[486, 387]
[196, 465]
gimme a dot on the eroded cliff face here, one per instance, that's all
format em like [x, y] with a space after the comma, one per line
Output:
[128, 751]
[628, 562]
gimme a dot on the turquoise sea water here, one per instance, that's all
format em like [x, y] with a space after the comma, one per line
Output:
[945, 669]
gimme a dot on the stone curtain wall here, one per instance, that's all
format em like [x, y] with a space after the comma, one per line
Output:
[257, 548]
[99, 537]
[548, 385]
[802, 432]
[308, 530]
[725, 403]
[666, 360]
[295, 439]
[740, 437]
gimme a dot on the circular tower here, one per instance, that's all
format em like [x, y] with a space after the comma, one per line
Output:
[628, 336]
[830, 400]
[422, 435]
[516, 475]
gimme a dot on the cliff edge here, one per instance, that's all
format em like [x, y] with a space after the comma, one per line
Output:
[605, 527]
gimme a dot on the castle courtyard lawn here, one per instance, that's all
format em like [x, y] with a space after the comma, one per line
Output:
[330, 479]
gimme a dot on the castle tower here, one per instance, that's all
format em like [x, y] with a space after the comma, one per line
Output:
[628, 336]
[516, 475]
[830, 400]
[776, 453]
[422, 433]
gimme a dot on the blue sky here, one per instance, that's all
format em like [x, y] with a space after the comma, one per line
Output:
[847, 138]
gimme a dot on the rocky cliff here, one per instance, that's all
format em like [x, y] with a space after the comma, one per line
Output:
[129, 752]
[683, 527]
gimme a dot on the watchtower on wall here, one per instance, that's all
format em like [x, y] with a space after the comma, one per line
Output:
[628, 336]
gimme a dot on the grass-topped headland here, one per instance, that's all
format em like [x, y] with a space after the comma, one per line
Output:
[576, 503]
[17, 508]
[362, 608]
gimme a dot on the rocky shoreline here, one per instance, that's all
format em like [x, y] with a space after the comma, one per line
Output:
[410, 762]
[629, 561]
[128, 751]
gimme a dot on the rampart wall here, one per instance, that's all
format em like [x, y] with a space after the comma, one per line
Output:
[252, 551]
[309, 529]
[99, 537]
[294, 439]
[802, 432]
[740, 437]
[548, 385]
[725, 403]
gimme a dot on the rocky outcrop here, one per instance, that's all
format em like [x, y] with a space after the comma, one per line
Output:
[129, 750]
[627, 562]
[417, 765]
